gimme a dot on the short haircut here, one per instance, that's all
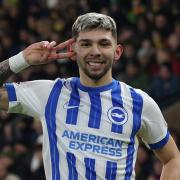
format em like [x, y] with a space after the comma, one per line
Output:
[90, 21]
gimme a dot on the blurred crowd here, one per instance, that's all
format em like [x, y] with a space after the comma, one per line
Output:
[150, 34]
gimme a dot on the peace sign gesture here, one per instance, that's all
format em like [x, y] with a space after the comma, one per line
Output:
[44, 52]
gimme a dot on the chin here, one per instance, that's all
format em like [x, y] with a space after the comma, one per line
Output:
[95, 77]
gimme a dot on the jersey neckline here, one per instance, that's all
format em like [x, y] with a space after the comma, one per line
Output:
[95, 89]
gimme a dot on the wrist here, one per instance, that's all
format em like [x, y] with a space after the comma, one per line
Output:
[17, 63]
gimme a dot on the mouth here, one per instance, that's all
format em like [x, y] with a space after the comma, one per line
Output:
[95, 64]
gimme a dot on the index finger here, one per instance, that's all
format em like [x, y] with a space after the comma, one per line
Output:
[61, 56]
[64, 44]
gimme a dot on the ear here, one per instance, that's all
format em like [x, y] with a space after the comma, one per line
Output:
[118, 52]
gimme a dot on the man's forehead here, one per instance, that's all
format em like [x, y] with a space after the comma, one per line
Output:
[92, 35]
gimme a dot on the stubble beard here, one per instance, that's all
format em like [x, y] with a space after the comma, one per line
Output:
[95, 76]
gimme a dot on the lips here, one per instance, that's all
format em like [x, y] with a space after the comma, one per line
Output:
[95, 64]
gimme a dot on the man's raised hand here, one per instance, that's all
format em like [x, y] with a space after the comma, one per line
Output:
[44, 52]
[68, 53]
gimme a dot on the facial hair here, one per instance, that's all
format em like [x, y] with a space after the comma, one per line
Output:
[94, 76]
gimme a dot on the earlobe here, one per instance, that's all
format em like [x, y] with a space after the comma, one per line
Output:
[118, 52]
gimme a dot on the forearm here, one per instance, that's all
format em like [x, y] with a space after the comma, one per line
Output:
[12, 65]
[5, 71]
[171, 170]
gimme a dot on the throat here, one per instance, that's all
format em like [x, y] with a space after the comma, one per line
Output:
[95, 81]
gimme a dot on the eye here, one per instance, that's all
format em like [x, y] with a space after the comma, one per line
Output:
[85, 44]
[105, 44]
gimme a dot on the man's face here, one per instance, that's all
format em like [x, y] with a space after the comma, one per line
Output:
[95, 53]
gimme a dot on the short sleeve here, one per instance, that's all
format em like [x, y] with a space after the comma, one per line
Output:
[154, 131]
[28, 98]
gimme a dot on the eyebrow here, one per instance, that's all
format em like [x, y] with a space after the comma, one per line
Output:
[89, 40]
[85, 40]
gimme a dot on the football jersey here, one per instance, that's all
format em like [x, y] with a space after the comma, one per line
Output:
[90, 132]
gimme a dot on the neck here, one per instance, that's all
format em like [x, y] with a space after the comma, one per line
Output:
[89, 82]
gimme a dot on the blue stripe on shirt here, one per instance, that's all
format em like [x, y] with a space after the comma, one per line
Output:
[90, 169]
[95, 111]
[111, 170]
[50, 115]
[116, 102]
[11, 91]
[137, 111]
[161, 143]
[72, 113]
[71, 160]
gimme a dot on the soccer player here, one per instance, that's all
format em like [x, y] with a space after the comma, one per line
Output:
[91, 124]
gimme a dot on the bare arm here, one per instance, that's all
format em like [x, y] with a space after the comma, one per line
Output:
[35, 54]
[5, 72]
[3, 99]
[170, 158]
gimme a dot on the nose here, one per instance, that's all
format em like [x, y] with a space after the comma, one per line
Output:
[95, 51]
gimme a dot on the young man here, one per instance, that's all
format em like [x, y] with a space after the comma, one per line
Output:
[90, 124]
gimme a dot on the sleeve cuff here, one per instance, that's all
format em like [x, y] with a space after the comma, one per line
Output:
[161, 143]
[11, 92]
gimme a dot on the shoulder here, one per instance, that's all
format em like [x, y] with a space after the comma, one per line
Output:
[139, 92]
[39, 83]
[146, 100]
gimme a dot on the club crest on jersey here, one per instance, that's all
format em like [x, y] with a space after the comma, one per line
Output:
[117, 115]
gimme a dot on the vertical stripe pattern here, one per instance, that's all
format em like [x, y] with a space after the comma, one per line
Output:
[11, 92]
[95, 111]
[73, 112]
[116, 102]
[137, 111]
[111, 170]
[50, 115]
[90, 168]
[71, 160]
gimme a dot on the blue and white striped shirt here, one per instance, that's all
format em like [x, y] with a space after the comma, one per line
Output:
[90, 133]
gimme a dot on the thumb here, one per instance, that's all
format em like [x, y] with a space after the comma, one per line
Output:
[44, 57]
